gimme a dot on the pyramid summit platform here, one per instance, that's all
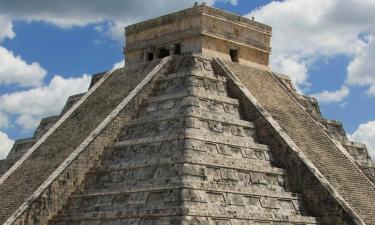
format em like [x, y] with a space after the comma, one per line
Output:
[196, 129]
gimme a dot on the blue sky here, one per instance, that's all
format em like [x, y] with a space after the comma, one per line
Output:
[48, 51]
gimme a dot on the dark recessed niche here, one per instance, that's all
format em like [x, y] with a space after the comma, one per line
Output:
[234, 55]
[163, 52]
[150, 56]
[177, 49]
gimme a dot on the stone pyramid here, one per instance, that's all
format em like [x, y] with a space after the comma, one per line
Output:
[195, 129]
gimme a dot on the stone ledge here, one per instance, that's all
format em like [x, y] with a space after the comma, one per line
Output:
[197, 94]
[189, 115]
[195, 135]
[251, 190]
[196, 211]
[193, 74]
[194, 11]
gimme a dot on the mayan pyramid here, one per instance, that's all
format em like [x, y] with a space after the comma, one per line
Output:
[194, 130]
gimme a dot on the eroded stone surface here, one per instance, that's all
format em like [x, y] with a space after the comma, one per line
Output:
[32, 173]
[334, 128]
[188, 158]
[326, 156]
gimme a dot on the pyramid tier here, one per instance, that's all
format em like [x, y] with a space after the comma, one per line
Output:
[188, 158]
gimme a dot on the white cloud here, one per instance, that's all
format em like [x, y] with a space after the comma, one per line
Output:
[6, 28]
[5, 145]
[292, 68]
[332, 96]
[31, 105]
[306, 30]
[366, 134]
[234, 2]
[13, 69]
[118, 65]
[4, 120]
[371, 91]
[361, 71]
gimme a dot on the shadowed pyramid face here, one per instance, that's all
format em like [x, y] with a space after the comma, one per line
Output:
[188, 158]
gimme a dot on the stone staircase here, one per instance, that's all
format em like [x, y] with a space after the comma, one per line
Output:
[333, 128]
[339, 169]
[188, 158]
[40, 161]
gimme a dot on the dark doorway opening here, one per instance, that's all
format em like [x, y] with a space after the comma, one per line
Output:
[163, 52]
[234, 55]
[150, 56]
[177, 49]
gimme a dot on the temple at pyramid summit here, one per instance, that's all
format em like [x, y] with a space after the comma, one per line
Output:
[196, 129]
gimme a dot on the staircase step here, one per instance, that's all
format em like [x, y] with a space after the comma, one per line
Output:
[177, 125]
[173, 150]
[198, 142]
[194, 74]
[204, 95]
[192, 157]
[190, 88]
[185, 80]
[243, 188]
[123, 176]
[190, 209]
[95, 201]
[192, 114]
[183, 105]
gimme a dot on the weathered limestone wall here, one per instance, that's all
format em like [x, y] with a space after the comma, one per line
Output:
[334, 128]
[20, 184]
[5, 164]
[162, 26]
[324, 197]
[187, 158]
[44, 125]
[196, 28]
[71, 101]
[95, 78]
[213, 47]
[19, 147]
[232, 30]
[53, 194]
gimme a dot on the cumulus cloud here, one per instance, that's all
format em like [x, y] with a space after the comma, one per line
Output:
[4, 120]
[306, 30]
[5, 145]
[361, 71]
[6, 28]
[13, 69]
[293, 68]
[366, 134]
[31, 105]
[332, 96]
